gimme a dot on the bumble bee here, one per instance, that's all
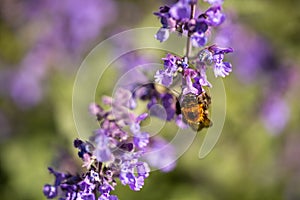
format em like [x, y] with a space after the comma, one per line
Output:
[194, 109]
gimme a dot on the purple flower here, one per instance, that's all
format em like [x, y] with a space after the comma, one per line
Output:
[202, 78]
[165, 77]
[50, 191]
[127, 178]
[178, 18]
[219, 50]
[121, 105]
[220, 68]
[170, 63]
[105, 188]
[104, 145]
[162, 34]
[201, 26]
[139, 183]
[95, 110]
[180, 10]
[142, 169]
[199, 39]
[164, 15]
[162, 78]
[59, 177]
[189, 86]
[141, 139]
[214, 16]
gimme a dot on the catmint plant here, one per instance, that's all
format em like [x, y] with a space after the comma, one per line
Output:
[117, 151]
[184, 19]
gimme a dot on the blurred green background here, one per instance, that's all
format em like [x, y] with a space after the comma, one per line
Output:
[255, 158]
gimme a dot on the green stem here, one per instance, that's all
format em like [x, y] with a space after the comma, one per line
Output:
[188, 42]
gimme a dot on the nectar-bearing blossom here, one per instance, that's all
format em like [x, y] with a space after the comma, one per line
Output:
[112, 153]
[220, 68]
[178, 18]
[172, 64]
[194, 77]
[214, 16]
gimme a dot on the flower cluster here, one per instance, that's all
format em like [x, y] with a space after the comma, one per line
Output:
[119, 148]
[69, 186]
[194, 76]
[111, 153]
[181, 18]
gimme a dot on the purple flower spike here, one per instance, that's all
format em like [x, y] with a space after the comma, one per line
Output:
[119, 148]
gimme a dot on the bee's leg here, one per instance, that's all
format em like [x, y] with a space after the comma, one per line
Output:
[208, 98]
[178, 108]
[195, 126]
